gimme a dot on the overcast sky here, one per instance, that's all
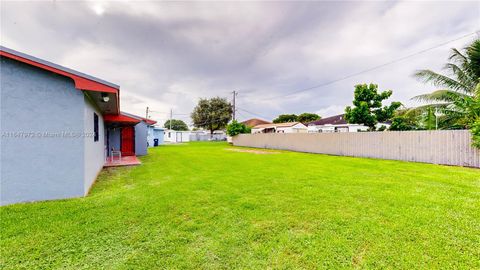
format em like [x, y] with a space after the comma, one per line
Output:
[168, 55]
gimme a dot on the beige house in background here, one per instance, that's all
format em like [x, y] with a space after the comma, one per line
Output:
[290, 127]
[337, 123]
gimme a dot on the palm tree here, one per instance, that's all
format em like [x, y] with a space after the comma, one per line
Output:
[460, 87]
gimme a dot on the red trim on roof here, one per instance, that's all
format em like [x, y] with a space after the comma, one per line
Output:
[80, 82]
[149, 121]
[120, 118]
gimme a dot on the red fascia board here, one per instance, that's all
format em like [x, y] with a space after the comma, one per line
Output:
[80, 82]
[120, 118]
[149, 122]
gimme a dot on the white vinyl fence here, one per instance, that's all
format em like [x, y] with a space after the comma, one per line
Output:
[195, 137]
[449, 147]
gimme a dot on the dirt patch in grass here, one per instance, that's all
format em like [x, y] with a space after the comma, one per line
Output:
[252, 151]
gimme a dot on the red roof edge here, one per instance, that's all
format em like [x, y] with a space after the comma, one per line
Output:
[81, 83]
[149, 121]
[120, 118]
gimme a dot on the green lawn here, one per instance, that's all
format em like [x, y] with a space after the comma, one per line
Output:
[202, 206]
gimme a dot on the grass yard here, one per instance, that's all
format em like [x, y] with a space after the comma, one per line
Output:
[203, 206]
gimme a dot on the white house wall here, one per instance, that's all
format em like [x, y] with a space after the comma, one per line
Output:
[298, 128]
[177, 136]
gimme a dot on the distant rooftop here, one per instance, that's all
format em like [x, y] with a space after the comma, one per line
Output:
[148, 121]
[254, 122]
[287, 124]
[332, 120]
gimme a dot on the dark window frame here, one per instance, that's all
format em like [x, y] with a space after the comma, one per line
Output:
[95, 127]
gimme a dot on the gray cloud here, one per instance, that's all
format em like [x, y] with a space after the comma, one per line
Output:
[168, 55]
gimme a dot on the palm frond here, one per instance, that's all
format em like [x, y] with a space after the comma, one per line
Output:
[463, 76]
[446, 96]
[458, 57]
[473, 54]
[424, 108]
[440, 80]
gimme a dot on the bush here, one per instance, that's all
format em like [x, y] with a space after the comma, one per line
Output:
[475, 130]
[401, 123]
[235, 128]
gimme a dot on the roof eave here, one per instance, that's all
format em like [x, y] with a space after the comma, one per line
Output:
[81, 81]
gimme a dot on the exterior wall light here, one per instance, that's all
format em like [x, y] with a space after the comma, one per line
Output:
[105, 97]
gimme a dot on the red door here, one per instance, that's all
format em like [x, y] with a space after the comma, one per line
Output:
[128, 141]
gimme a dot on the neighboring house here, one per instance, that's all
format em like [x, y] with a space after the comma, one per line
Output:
[337, 123]
[255, 122]
[289, 127]
[57, 127]
[155, 134]
[204, 135]
[176, 136]
[141, 133]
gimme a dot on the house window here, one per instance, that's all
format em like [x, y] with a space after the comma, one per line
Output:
[95, 127]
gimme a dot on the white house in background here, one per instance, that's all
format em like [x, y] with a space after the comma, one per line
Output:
[176, 136]
[290, 127]
[337, 123]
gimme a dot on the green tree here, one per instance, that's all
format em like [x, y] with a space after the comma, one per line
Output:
[405, 119]
[176, 125]
[475, 129]
[368, 108]
[457, 86]
[284, 118]
[308, 117]
[212, 114]
[470, 108]
[235, 128]
[401, 123]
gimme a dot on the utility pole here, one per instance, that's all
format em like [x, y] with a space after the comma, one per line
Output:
[146, 113]
[234, 107]
[171, 115]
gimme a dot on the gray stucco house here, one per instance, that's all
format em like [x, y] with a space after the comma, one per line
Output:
[55, 137]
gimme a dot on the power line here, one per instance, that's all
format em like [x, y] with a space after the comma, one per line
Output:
[372, 68]
[167, 113]
[252, 113]
[242, 115]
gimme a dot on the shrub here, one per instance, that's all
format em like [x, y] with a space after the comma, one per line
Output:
[475, 130]
[235, 128]
[401, 123]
